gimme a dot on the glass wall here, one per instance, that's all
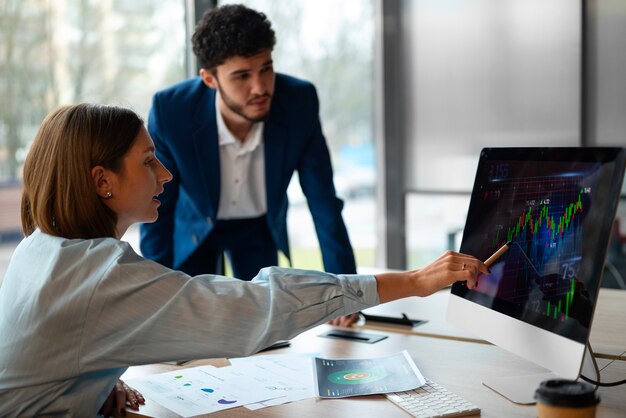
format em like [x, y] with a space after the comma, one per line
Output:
[331, 44]
[607, 99]
[68, 51]
[480, 73]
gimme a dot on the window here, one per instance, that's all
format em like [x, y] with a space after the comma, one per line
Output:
[479, 74]
[331, 44]
[69, 51]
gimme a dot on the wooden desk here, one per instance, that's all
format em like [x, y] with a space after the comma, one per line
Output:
[460, 366]
[608, 331]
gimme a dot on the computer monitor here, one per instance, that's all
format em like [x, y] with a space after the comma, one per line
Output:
[555, 208]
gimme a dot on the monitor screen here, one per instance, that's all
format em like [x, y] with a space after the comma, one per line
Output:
[553, 208]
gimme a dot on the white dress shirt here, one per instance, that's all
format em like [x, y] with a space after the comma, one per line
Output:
[242, 171]
[74, 314]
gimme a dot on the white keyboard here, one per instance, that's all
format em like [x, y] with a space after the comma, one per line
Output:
[433, 401]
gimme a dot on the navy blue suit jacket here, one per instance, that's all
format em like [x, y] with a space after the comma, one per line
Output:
[183, 126]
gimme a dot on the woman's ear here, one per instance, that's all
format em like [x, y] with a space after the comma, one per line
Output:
[101, 181]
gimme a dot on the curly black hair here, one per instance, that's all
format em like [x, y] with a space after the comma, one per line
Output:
[228, 31]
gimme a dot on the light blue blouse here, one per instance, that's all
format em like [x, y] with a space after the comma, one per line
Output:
[74, 314]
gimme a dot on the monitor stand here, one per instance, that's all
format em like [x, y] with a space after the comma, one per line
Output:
[521, 389]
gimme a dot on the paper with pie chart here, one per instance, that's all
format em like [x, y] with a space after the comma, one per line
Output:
[355, 377]
[201, 390]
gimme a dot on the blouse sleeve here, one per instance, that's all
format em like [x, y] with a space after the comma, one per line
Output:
[141, 312]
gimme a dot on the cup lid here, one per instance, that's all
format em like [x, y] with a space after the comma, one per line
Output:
[563, 392]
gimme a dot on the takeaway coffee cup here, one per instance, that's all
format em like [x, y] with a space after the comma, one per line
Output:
[560, 398]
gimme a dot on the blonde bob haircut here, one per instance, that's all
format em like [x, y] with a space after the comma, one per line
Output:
[59, 195]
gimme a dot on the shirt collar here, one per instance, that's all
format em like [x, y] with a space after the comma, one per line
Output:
[253, 140]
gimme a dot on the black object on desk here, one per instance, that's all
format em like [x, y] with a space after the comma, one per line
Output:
[404, 320]
[359, 337]
[277, 344]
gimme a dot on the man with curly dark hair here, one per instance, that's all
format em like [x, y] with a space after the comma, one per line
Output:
[233, 138]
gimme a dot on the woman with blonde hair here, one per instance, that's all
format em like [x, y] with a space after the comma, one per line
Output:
[78, 306]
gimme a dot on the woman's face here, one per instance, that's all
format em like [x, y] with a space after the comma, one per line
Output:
[135, 188]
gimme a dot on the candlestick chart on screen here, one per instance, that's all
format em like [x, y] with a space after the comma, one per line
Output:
[542, 217]
[554, 208]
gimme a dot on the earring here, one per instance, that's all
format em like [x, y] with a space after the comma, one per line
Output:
[108, 195]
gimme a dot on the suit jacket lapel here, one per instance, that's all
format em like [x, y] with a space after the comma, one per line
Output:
[207, 149]
[275, 145]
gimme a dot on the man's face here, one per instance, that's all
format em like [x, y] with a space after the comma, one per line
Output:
[246, 86]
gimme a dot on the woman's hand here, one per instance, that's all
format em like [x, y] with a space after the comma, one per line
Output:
[449, 268]
[121, 396]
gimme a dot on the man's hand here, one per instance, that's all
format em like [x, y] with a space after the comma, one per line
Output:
[345, 321]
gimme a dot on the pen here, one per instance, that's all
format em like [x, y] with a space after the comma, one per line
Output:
[497, 254]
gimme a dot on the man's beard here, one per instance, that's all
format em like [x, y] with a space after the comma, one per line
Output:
[238, 109]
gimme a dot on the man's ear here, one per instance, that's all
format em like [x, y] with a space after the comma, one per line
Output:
[208, 78]
[101, 181]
